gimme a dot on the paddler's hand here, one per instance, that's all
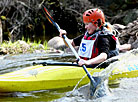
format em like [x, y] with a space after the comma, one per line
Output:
[82, 62]
[62, 32]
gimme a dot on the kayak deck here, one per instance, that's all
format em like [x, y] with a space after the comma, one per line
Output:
[43, 77]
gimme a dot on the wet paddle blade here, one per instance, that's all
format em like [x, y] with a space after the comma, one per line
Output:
[99, 89]
[93, 85]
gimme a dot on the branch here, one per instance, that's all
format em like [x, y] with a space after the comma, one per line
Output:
[74, 11]
[40, 5]
[22, 3]
[19, 24]
[5, 4]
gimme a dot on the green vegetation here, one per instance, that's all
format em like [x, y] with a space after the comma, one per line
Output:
[22, 46]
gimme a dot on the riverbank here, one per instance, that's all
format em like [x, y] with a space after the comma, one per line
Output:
[21, 46]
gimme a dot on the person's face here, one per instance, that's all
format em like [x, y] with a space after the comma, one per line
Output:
[90, 28]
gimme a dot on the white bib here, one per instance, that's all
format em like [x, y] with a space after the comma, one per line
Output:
[85, 49]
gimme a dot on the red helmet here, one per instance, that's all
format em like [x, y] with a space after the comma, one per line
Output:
[94, 15]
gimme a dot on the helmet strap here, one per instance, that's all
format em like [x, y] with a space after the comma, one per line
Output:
[97, 28]
[95, 24]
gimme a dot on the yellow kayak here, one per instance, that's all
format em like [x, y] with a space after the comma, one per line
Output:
[41, 77]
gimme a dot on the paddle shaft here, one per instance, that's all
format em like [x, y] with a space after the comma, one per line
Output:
[69, 44]
[55, 63]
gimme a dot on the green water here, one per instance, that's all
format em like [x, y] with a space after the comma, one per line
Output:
[42, 95]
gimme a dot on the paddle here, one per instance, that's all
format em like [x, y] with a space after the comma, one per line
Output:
[55, 63]
[92, 79]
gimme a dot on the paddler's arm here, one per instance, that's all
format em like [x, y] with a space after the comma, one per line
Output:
[99, 59]
[125, 47]
[63, 32]
[103, 46]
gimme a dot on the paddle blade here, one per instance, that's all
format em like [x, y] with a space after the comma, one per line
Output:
[50, 19]
[100, 88]
[93, 85]
[48, 16]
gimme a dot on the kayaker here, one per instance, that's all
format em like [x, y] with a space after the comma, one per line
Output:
[98, 43]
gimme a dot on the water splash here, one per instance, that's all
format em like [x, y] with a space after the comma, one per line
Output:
[83, 93]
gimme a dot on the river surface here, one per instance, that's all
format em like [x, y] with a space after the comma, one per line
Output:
[125, 91]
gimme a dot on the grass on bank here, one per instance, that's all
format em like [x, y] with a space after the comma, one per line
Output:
[22, 46]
